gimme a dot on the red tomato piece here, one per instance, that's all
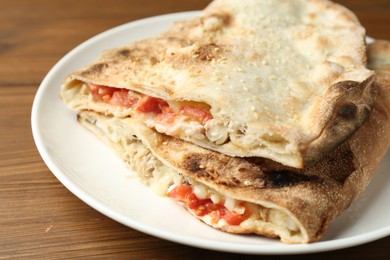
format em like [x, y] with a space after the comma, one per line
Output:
[115, 96]
[102, 93]
[196, 113]
[121, 98]
[196, 203]
[192, 201]
[216, 207]
[150, 104]
[167, 115]
[233, 218]
[216, 211]
[180, 193]
[202, 207]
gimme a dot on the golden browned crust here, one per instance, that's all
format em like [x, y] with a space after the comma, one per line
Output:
[351, 109]
[280, 85]
[313, 196]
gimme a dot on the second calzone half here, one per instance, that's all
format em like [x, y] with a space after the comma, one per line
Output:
[284, 80]
[256, 195]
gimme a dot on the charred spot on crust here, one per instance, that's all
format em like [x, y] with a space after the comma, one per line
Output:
[286, 178]
[206, 52]
[226, 18]
[153, 60]
[348, 111]
[95, 69]
[192, 163]
[124, 53]
[136, 55]
[236, 181]
[224, 183]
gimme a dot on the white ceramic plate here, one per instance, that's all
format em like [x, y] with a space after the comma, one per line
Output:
[95, 174]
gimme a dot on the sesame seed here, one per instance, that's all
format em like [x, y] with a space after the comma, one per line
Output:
[238, 69]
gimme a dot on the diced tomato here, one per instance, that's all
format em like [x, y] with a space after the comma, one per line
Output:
[196, 203]
[149, 104]
[233, 218]
[193, 202]
[115, 96]
[167, 115]
[202, 207]
[102, 93]
[216, 211]
[121, 98]
[196, 113]
[180, 193]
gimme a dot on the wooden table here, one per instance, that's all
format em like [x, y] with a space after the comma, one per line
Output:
[39, 217]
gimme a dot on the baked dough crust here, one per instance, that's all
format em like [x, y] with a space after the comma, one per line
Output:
[310, 198]
[286, 80]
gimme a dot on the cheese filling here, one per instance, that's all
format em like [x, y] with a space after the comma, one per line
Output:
[216, 211]
[175, 118]
[187, 120]
[207, 204]
[224, 212]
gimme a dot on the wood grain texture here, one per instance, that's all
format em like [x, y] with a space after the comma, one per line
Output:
[39, 217]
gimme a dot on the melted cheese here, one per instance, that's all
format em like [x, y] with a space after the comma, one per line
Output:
[162, 178]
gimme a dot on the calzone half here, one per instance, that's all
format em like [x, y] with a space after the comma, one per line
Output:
[256, 195]
[284, 80]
